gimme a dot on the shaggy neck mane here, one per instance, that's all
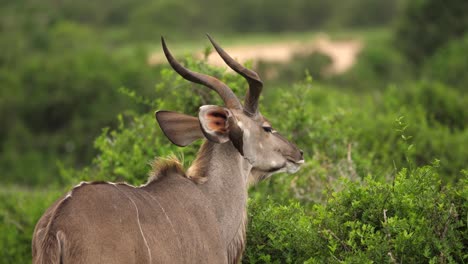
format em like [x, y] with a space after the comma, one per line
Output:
[162, 167]
[199, 169]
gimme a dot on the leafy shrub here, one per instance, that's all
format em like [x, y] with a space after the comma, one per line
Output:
[54, 104]
[280, 234]
[364, 13]
[441, 103]
[130, 20]
[413, 219]
[434, 114]
[20, 209]
[426, 25]
[448, 65]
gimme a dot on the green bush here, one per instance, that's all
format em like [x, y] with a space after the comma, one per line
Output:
[20, 209]
[413, 219]
[434, 115]
[54, 104]
[136, 20]
[427, 25]
[449, 64]
[280, 234]
[442, 104]
[364, 13]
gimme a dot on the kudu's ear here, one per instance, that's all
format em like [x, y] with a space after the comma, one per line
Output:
[214, 121]
[180, 129]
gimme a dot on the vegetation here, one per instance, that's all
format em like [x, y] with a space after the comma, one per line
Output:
[427, 25]
[385, 178]
[447, 66]
[413, 219]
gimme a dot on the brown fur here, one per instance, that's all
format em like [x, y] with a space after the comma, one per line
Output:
[165, 166]
[197, 172]
[49, 249]
[237, 245]
[170, 205]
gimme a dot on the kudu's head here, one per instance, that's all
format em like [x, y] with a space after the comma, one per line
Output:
[242, 125]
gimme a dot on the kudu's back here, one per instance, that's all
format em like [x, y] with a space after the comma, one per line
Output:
[168, 221]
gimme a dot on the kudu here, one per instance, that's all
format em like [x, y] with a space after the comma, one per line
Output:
[176, 217]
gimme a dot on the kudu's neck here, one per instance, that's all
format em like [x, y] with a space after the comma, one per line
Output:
[226, 175]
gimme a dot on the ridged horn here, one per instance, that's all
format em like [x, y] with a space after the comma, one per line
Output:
[228, 96]
[255, 83]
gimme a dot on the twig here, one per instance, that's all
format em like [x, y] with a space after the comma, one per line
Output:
[444, 233]
[349, 153]
[390, 254]
[351, 168]
[337, 238]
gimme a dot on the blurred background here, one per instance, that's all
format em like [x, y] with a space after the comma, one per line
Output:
[365, 87]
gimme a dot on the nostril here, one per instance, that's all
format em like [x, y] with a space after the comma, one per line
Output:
[302, 152]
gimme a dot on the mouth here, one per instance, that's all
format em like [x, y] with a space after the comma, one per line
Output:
[292, 166]
[289, 166]
[300, 162]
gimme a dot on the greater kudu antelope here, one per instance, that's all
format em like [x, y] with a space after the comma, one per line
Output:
[198, 216]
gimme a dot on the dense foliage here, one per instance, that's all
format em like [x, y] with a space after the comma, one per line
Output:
[144, 19]
[413, 219]
[427, 25]
[55, 104]
[19, 211]
[449, 64]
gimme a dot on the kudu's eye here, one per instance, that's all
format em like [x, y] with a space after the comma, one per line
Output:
[268, 129]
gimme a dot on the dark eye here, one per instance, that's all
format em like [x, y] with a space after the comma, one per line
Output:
[268, 129]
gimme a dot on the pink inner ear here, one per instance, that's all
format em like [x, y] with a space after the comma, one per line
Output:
[217, 121]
